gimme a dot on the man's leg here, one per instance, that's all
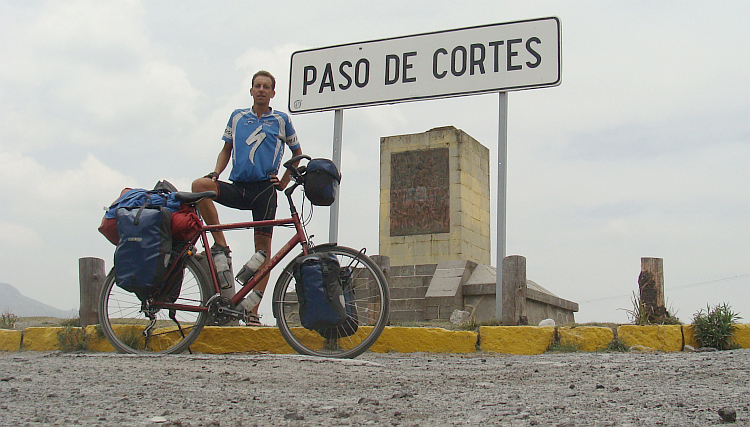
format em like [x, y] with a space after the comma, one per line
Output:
[207, 208]
[263, 242]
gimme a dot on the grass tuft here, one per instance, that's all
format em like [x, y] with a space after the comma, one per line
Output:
[8, 320]
[73, 339]
[715, 327]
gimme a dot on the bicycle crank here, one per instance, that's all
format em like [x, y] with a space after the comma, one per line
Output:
[221, 311]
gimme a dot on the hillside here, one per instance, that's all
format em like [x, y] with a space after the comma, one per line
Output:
[13, 301]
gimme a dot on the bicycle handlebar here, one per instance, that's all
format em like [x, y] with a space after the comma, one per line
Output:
[293, 170]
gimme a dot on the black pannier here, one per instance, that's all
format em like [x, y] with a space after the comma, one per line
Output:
[322, 180]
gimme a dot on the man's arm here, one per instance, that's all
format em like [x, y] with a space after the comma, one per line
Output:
[281, 184]
[223, 159]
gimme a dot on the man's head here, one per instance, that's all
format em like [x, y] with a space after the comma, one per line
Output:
[263, 89]
[267, 74]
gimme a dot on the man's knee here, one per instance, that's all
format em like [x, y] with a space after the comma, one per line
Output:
[204, 184]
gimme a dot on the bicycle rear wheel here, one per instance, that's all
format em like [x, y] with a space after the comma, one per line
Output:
[124, 318]
[368, 308]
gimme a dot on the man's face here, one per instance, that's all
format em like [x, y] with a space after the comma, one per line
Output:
[262, 91]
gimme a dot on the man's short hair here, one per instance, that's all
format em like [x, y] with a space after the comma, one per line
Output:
[267, 74]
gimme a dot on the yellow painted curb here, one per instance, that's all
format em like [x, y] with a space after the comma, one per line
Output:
[516, 339]
[41, 339]
[687, 332]
[431, 340]
[652, 337]
[97, 340]
[240, 339]
[10, 340]
[586, 338]
[497, 339]
[742, 336]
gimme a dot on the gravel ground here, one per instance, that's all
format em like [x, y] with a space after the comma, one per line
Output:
[564, 389]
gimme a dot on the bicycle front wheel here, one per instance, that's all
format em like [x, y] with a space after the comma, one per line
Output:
[367, 301]
[132, 326]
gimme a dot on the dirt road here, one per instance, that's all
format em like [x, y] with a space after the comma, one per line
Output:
[568, 389]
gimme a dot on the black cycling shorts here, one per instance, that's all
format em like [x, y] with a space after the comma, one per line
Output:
[259, 197]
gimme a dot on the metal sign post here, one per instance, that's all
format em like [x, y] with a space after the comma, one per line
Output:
[502, 187]
[338, 125]
[467, 61]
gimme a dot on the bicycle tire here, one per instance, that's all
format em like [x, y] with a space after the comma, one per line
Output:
[371, 301]
[123, 321]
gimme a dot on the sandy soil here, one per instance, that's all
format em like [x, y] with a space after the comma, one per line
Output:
[566, 389]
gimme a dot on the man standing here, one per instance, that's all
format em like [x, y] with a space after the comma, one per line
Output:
[254, 141]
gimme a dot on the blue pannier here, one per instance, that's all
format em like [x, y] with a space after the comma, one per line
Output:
[319, 293]
[144, 249]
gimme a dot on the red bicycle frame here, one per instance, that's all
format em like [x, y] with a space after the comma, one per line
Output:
[299, 238]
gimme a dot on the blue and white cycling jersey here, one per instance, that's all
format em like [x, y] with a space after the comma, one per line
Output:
[258, 143]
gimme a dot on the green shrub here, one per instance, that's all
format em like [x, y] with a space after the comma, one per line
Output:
[8, 320]
[563, 347]
[616, 345]
[73, 339]
[715, 326]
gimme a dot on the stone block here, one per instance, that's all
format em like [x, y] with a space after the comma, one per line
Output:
[97, 340]
[433, 340]
[41, 339]
[409, 281]
[742, 336]
[408, 304]
[402, 270]
[516, 339]
[653, 337]
[586, 338]
[241, 339]
[405, 316]
[425, 269]
[10, 340]
[689, 336]
[410, 292]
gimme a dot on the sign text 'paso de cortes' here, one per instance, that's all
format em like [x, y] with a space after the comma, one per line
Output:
[491, 58]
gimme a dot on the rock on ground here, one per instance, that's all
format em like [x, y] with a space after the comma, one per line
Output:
[561, 389]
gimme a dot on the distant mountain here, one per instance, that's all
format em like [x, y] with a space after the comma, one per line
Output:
[22, 306]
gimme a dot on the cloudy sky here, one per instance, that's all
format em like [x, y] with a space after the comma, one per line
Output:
[642, 151]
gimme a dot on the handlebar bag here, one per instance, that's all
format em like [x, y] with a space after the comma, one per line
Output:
[322, 179]
[144, 249]
[319, 292]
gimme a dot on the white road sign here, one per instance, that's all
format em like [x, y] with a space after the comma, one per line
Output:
[490, 58]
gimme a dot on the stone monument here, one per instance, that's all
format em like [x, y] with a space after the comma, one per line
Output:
[435, 231]
[434, 197]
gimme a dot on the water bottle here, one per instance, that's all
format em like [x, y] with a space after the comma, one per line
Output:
[223, 270]
[250, 267]
[251, 301]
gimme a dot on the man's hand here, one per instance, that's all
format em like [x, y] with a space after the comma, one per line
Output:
[276, 182]
[213, 176]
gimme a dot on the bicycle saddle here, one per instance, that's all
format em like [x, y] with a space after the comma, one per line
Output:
[190, 198]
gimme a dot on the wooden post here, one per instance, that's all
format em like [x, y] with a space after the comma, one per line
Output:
[514, 291]
[384, 262]
[91, 277]
[651, 290]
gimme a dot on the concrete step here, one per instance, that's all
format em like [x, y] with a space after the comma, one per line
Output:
[409, 281]
[400, 316]
[401, 293]
[408, 304]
